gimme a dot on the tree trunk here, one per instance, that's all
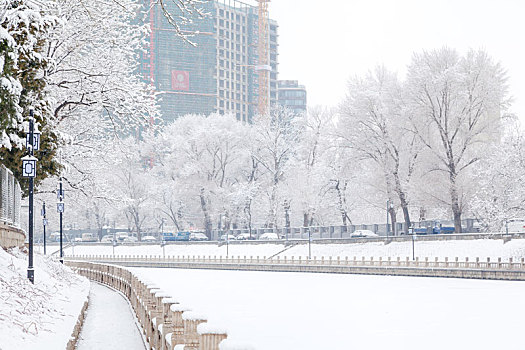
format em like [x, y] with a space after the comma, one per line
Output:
[287, 214]
[207, 220]
[305, 219]
[393, 219]
[248, 212]
[402, 200]
[342, 201]
[406, 216]
[404, 208]
[456, 207]
[227, 222]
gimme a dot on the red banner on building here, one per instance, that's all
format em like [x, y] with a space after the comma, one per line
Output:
[180, 80]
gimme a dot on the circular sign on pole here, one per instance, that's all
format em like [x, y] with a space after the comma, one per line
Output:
[60, 207]
[45, 222]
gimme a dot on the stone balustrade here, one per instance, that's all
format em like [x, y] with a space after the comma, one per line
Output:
[467, 268]
[165, 323]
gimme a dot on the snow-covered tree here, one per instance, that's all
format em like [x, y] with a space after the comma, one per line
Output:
[275, 137]
[202, 158]
[457, 101]
[24, 29]
[500, 179]
[308, 184]
[374, 124]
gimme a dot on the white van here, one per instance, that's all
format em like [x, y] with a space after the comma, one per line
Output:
[514, 226]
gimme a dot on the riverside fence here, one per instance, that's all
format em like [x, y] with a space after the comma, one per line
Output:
[10, 198]
[477, 268]
[166, 324]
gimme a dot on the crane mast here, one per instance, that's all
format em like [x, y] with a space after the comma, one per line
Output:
[263, 66]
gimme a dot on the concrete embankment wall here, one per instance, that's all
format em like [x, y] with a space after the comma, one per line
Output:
[165, 323]
[11, 237]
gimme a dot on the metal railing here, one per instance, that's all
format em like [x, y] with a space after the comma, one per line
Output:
[10, 195]
[476, 263]
[468, 268]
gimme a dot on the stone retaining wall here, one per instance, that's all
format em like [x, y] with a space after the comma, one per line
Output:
[72, 344]
[165, 323]
[11, 237]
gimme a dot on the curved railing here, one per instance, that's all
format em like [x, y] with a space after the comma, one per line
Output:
[165, 322]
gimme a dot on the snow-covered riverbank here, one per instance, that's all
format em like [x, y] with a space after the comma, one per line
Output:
[40, 316]
[482, 248]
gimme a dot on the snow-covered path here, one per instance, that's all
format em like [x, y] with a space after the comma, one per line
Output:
[110, 323]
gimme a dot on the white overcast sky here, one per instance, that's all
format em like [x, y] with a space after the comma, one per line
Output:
[324, 42]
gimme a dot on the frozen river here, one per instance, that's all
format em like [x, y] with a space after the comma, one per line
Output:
[273, 311]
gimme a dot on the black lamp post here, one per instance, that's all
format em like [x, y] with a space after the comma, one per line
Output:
[44, 222]
[60, 210]
[29, 170]
[309, 243]
[413, 246]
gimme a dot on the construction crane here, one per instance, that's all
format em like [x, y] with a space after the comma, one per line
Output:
[263, 67]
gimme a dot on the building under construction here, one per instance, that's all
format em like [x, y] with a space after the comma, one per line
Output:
[232, 68]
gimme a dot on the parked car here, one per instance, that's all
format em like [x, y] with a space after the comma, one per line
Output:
[77, 239]
[198, 236]
[363, 234]
[107, 239]
[514, 226]
[130, 239]
[121, 236]
[269, 236]
[438, 229]
[230, 237]
[245, 236]
[149, 239]
[89, 237]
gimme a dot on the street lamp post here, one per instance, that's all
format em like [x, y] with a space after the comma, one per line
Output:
[29, 170]
[309, 243]
[413, 246]
[60, 210]
[44, 222]
[227, 244]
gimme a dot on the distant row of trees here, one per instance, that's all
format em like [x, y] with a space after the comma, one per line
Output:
[434, 142]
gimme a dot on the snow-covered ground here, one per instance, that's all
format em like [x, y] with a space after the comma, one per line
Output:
[481, 248]
[110, 323]
[43, 315]
[328, 311]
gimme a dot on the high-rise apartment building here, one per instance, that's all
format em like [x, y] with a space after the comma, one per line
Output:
[292, 95]
[217, 73]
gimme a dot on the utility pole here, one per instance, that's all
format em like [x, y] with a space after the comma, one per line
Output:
[60, 209]
[29, 170]
[44, 222]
